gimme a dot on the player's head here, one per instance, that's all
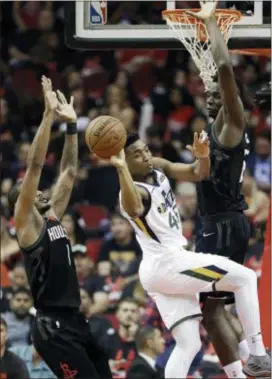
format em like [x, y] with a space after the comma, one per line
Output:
[138, 156]
[42, 203]
[214, 101]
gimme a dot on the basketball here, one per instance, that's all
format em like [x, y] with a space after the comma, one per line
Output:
[105, 136]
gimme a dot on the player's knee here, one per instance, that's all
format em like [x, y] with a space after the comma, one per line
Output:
[248, 276]
[187, 336]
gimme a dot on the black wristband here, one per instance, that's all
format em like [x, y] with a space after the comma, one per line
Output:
[71, 128]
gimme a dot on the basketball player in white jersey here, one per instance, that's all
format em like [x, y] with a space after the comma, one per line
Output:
[171, 275]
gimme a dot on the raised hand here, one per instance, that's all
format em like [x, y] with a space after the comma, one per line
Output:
[118, 161]
[65, 110]
[50, 97]
[201, 145]
[207, 11]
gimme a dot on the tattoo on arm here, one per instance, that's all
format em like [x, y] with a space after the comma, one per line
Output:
[61, 198]
[70, 153]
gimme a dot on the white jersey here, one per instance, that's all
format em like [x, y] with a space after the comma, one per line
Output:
[159, 229]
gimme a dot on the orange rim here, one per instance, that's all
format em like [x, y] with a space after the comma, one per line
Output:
[189, 19]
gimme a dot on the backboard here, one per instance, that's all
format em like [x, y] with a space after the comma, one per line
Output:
[109, 25]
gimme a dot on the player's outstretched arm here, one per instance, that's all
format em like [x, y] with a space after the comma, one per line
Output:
[233, 107]
[195, 172]
[69, 161]
[131, 195]
[36, 158]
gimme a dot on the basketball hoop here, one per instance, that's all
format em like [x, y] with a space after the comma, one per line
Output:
[194, 36]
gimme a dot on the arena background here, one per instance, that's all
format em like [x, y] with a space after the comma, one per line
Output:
[155, 92]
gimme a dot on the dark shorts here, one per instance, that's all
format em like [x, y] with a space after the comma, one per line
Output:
[64, 341]
[225, 234]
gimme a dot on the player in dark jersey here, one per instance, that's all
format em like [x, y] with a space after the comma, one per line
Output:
[60, 333]
[225, 228]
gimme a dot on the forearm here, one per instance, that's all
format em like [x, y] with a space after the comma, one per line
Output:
[219, 47]
[202, 168]
[131, 198]
[69, 158]
[38, 150]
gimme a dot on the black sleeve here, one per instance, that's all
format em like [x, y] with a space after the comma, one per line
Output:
[18, 368]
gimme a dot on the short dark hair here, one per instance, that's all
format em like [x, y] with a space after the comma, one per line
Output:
[127, 300]
[3, 322]
[13, 195]
[142, 335]
[131, 138]
[21, 290]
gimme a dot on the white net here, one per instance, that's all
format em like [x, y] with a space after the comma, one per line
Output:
[194, 36]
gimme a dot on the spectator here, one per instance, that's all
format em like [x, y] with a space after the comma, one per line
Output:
[124, 349]
[150, 344]
[71, 223]
[123, 250]
[19, 318]
[10, 252]
[11, 366]
[36, 366]
[257, 200]
[18, 280]
[101, 329]
[259, 162]
[84, 265]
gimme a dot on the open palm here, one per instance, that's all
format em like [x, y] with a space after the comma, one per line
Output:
[66, 110]
[207, 10]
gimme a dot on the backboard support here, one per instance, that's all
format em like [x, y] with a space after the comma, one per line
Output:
[89, 26]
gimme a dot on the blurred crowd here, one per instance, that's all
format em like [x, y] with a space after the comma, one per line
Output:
[160, 95]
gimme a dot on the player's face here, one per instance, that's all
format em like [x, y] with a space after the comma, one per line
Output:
[139, 158]
[42, 203]
[213, 100]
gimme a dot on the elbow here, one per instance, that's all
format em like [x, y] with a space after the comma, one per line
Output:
[135, 212]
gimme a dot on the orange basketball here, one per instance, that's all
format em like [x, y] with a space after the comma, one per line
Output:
[106, 136]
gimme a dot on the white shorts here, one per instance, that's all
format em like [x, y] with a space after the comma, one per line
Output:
[175, 309]
[175, 279]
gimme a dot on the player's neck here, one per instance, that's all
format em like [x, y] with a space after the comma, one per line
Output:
[144, 178]
[49, 213]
